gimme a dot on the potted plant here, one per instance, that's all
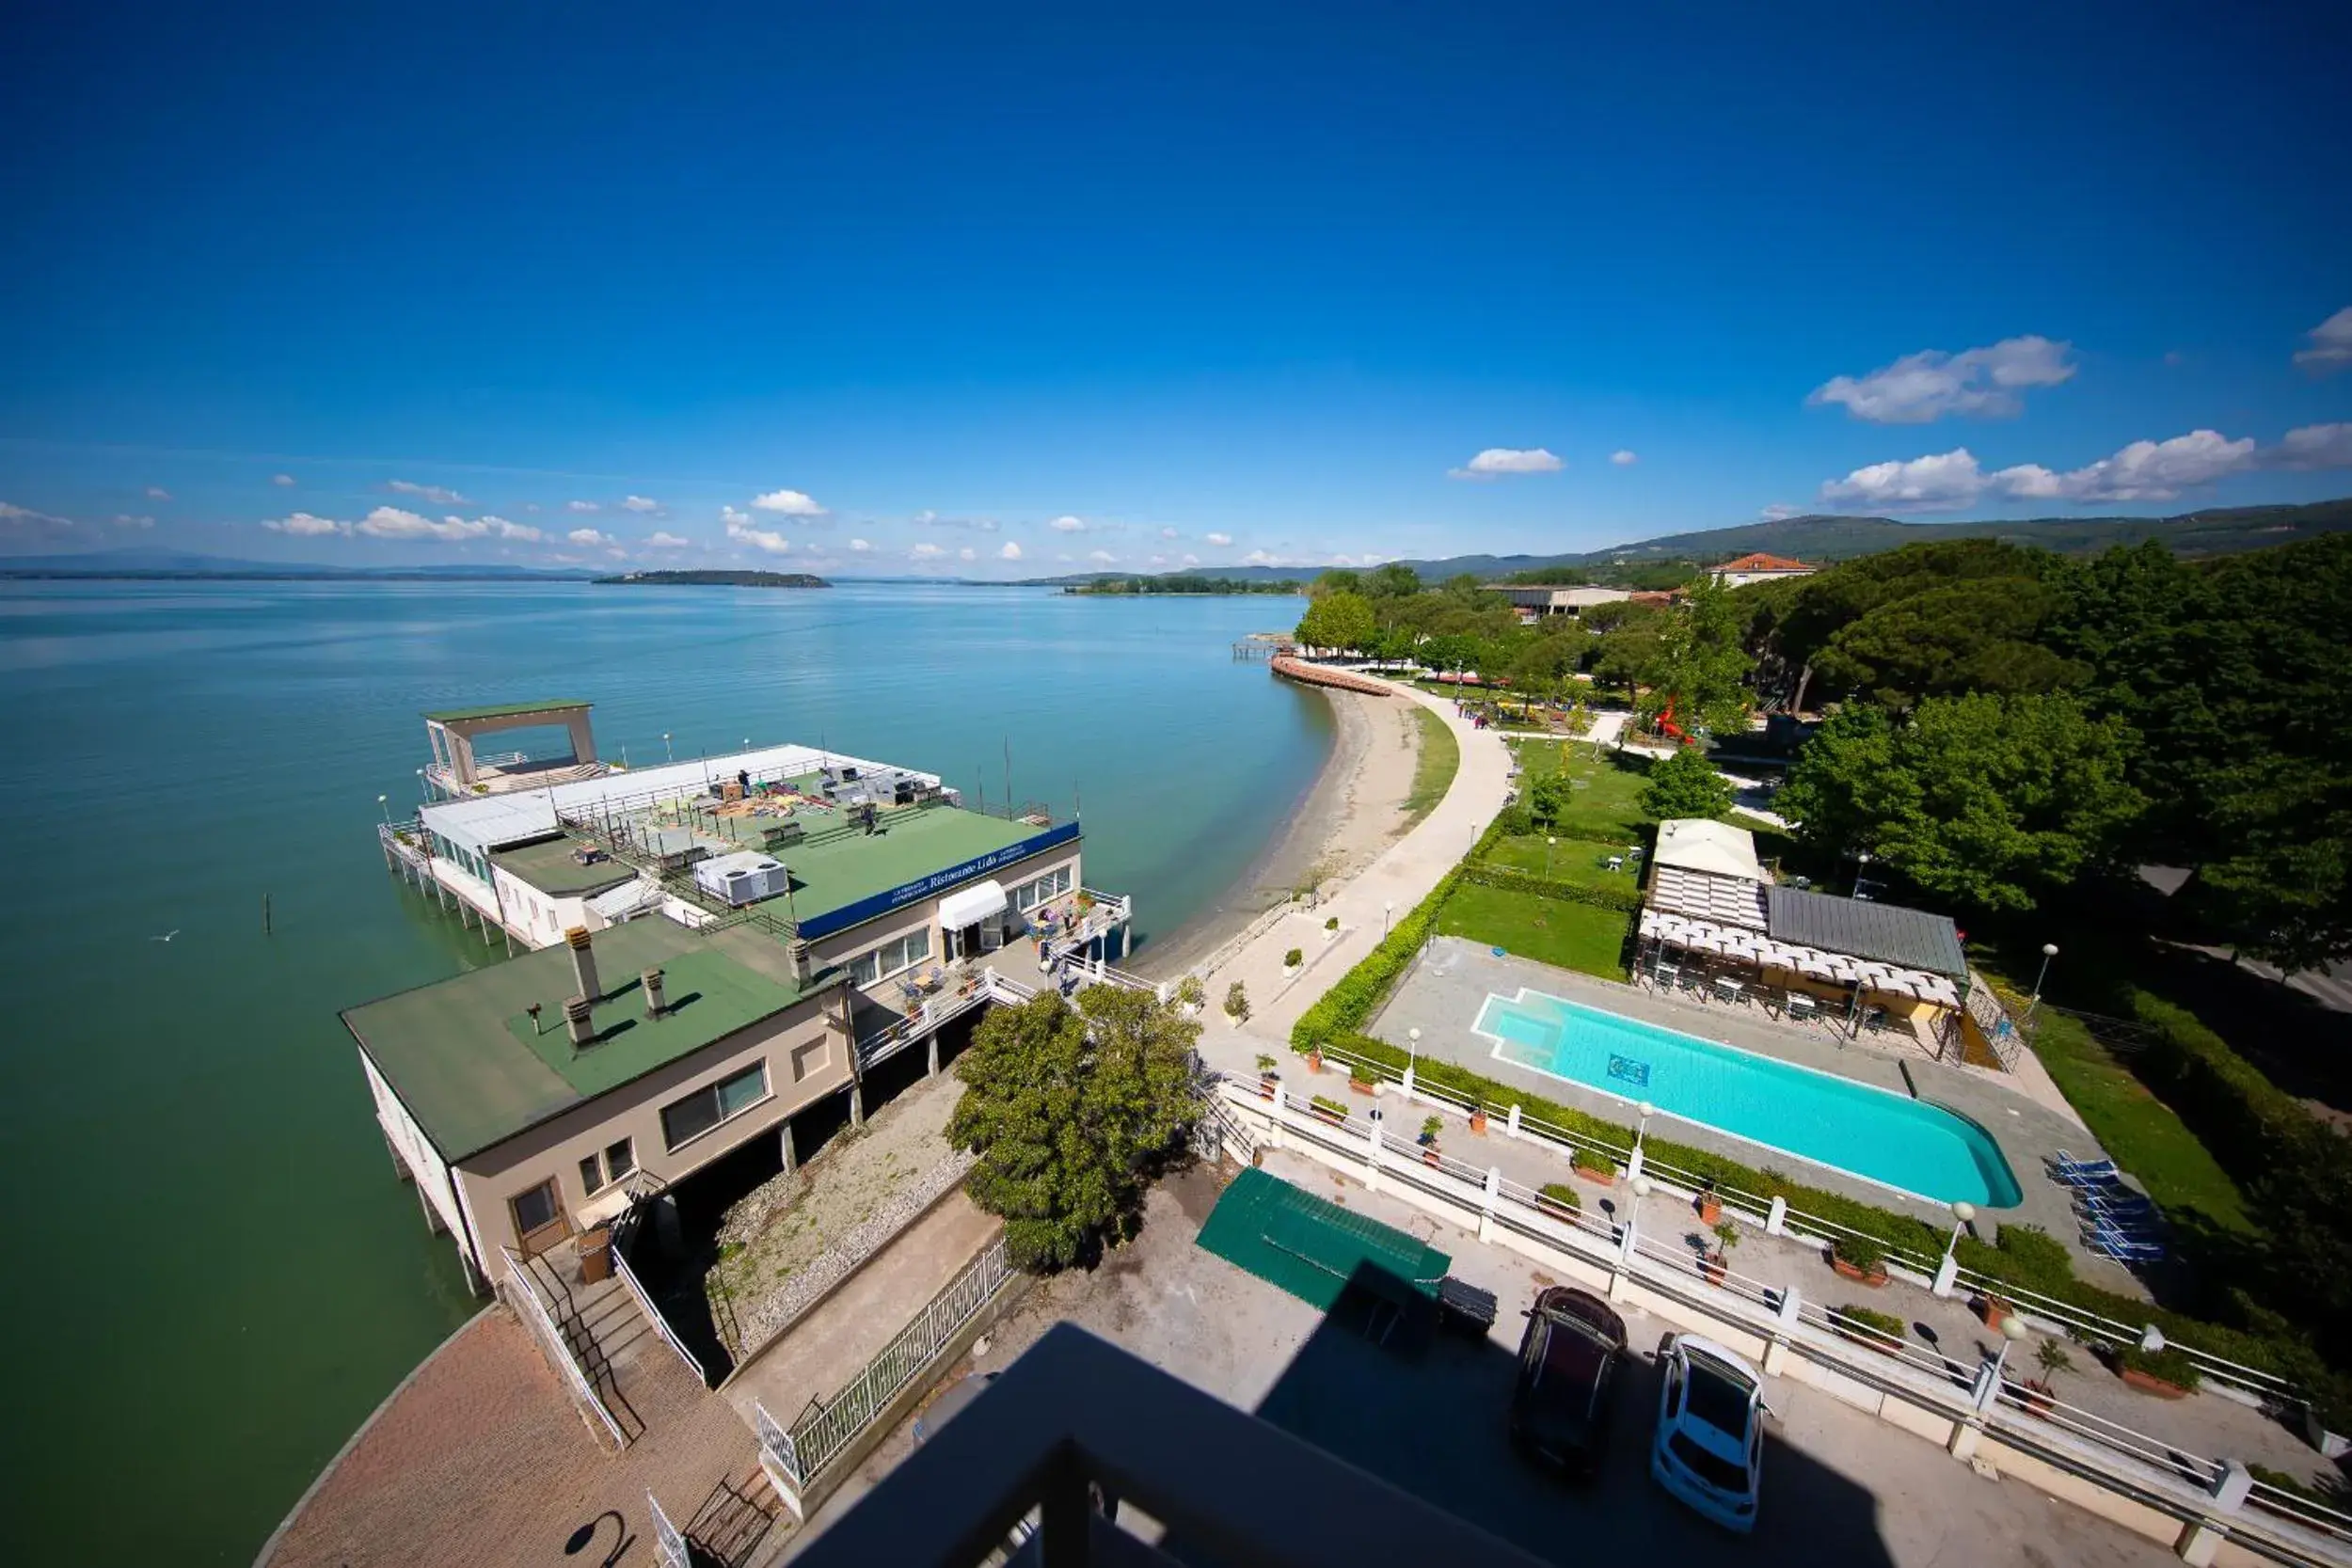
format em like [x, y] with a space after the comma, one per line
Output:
[1332, 929]
[2168, 1374]
[1314, 1058]
[1711, 1206]
[1559, 1200]
[1593, 1166]
[1993, 1310]
[2041, 1392]
[1859, 1258]
[1359, 1083]
[1329, 1110]
[1191, 994]
[1726, 1237]
[1430, 1128]
[1478, 1118]
[1872, 1330]
[1237, 1003]
[1292, 959]
[1267, 1077]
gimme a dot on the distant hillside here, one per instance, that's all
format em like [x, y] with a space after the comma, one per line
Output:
[721, 579]
[169, 564]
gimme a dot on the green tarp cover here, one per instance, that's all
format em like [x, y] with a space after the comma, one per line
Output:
[1311, 1247]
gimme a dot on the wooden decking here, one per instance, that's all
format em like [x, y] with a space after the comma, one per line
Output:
[1343, 680]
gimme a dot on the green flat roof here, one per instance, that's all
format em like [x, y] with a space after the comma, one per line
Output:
[826, 876]
[502, 710]
[464, 1058]
[549, 866]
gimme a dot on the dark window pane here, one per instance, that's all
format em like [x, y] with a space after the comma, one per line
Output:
[535, 1207]
[619, 1161]
[697, 1112]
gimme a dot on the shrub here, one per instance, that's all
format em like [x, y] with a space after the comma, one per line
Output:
[1237, 1003]
[1265, 1064]
[1868, 1325]
[1329, 1106]
[2054, 1359]
[1560, 1194]
[1726, 1237]
[1332, 924]
[2172, 1364]
[1430, 1128]
[1624, 900]
[1859, 1252]
[1292, 959]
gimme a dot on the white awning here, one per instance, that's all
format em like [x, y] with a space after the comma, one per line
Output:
[967, 905]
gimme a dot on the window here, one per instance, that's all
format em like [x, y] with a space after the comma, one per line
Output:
[599, 1171]
[891, 956]
[1028, 896]
[536, 1209]
[713, 1103]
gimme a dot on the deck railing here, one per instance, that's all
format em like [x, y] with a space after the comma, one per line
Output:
[556, 1344]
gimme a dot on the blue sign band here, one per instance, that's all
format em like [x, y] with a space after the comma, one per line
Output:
[931, 886]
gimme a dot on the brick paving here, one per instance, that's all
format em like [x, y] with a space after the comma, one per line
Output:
[480, 1459]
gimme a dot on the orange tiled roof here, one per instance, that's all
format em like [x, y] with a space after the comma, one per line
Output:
[1759, 562]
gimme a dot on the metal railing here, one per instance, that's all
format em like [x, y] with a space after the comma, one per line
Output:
[669, 1546]
[557, 1345]
[798, 1454]
[2084, 1324]
[645, 1298]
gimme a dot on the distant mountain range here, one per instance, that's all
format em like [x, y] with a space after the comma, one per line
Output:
[183, 564]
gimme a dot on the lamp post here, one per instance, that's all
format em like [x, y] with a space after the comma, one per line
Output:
[1549, 842]
[2012, 1329]
[2049, 951]
[384, 805]
[424, 791]
[667, 752]
[1645, 1110]
[1388, 911]
[1962, 1212]
[1412, 1049]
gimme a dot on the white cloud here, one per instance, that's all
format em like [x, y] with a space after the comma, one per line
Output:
[521, 531]
[302, 525]
[391, 522]
[1261, 557]
[434, 493]
[588, 536]
[125, 519]
[1102, 557]
[2316, 446]
[281, 480]
[1189, 561]
[665, 540]
[733, 519]
[640, 504]
[1219, 539]
[1068, 525]
[927, 551]
[1159, 560]
[1498, 461]
[927, 518]
[739, 527]
[1779, 512]
[1010, 551]
[787, 503]
[1625, 457]
[23, 522]
[2142, 471]
[858, 546]
[2331, 345]
[1170, 533]
[1930, 383]
[157, 493]
[581, 506]
[530, 506]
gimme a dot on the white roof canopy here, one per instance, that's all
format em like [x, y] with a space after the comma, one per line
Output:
[967, 906]
[1698, 844]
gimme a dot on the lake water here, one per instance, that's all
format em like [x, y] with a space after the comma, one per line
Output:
[213, 1273]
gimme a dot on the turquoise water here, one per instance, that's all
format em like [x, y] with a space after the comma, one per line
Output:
[213, 1274]
[1888, 1138]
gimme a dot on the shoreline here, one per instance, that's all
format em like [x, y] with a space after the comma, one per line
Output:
[1350, 812]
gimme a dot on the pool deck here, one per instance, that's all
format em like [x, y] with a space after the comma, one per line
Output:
[1443, 993]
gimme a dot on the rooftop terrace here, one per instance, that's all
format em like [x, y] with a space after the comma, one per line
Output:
[467, 1061]
[552, 866]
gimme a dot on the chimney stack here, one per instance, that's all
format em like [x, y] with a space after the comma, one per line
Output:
[580, 1018]
[651, 980]
[584, 962]
[802, 961]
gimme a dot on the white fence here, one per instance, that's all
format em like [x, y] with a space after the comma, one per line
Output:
[1963, 1404]
[796, 1455]
[653, 1313]
[556, 1345]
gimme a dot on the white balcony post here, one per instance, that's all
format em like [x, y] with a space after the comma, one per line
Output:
[1948, 1272]
[2202, 1538]
[1486, 1204]
[1372, 1152]
[1274, 1131]
[1512, 1126]
[1784, 1328]
[1776, 1222]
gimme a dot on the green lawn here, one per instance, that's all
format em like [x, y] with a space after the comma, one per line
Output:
[2139, 1130]
[1438, 760]
[1572, 860]
[1573, 936]
[1608, 802]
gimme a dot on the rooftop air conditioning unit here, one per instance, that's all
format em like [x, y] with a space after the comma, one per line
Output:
[742, 879]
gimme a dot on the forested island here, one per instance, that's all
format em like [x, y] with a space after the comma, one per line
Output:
[721, 579]
[1180, 583]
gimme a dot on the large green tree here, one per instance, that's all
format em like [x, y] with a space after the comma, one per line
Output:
[1686, 785]
[1069, 1109]
[1987, 801]
[1699, 664]
[1338, 620]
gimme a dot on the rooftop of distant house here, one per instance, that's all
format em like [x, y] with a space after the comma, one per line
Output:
[466, 1058]
[502, 710]
[1759, 562]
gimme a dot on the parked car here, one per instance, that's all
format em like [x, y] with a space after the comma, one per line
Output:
[1568, 1359]
[1709, 1447]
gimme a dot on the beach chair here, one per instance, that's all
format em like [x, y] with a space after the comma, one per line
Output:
[2124, 1248]
[2082, 1173]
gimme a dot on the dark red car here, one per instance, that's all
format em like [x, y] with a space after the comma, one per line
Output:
[1568, 1360]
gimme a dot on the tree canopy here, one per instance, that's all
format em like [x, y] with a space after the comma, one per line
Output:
[1067, 1110]
[1986, 801]
[1685, 784]
[1338, 620]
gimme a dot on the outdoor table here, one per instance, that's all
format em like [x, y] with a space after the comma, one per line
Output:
[1802, 1006]
[1729, 988]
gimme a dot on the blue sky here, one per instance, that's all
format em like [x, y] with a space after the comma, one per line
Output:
[1220, 283]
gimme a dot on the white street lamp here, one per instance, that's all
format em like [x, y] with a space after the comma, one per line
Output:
[2049, 951]
[666, 749]
[1645, 1110]
[1962, 1212]
[1549, 843]
[1412, 1049]
[382, 804]
[1388, 911]
[2012, 1329]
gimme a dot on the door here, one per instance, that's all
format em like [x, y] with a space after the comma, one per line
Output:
[964, 942]
[539, 1221]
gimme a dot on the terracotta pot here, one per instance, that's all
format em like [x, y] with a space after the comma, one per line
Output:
[1993, 1312]
[1713, 1267]
[2149, 1383]
[1874, 1279]
[1605, 1175]
[1314, 1061]
[1429, 1157]
[1334, 1117]
[1478, 1121]
[2039, 1401]
[1358, 1085]
[1265, 1086]
[1866, 1339]
[1710, 1208]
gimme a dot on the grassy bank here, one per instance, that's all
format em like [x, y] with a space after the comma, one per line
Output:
[1573, 936]
[1434, 763]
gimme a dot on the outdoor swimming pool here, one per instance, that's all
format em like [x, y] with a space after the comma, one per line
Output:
[1888, 1139]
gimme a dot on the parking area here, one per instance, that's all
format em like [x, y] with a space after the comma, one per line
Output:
[1839, 1486]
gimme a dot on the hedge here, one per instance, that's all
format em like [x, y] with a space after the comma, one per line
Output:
[1624, 900]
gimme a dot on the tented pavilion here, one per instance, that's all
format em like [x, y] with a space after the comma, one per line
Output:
[1711, 909]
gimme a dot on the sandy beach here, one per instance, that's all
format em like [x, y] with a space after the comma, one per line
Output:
[1353, 811]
